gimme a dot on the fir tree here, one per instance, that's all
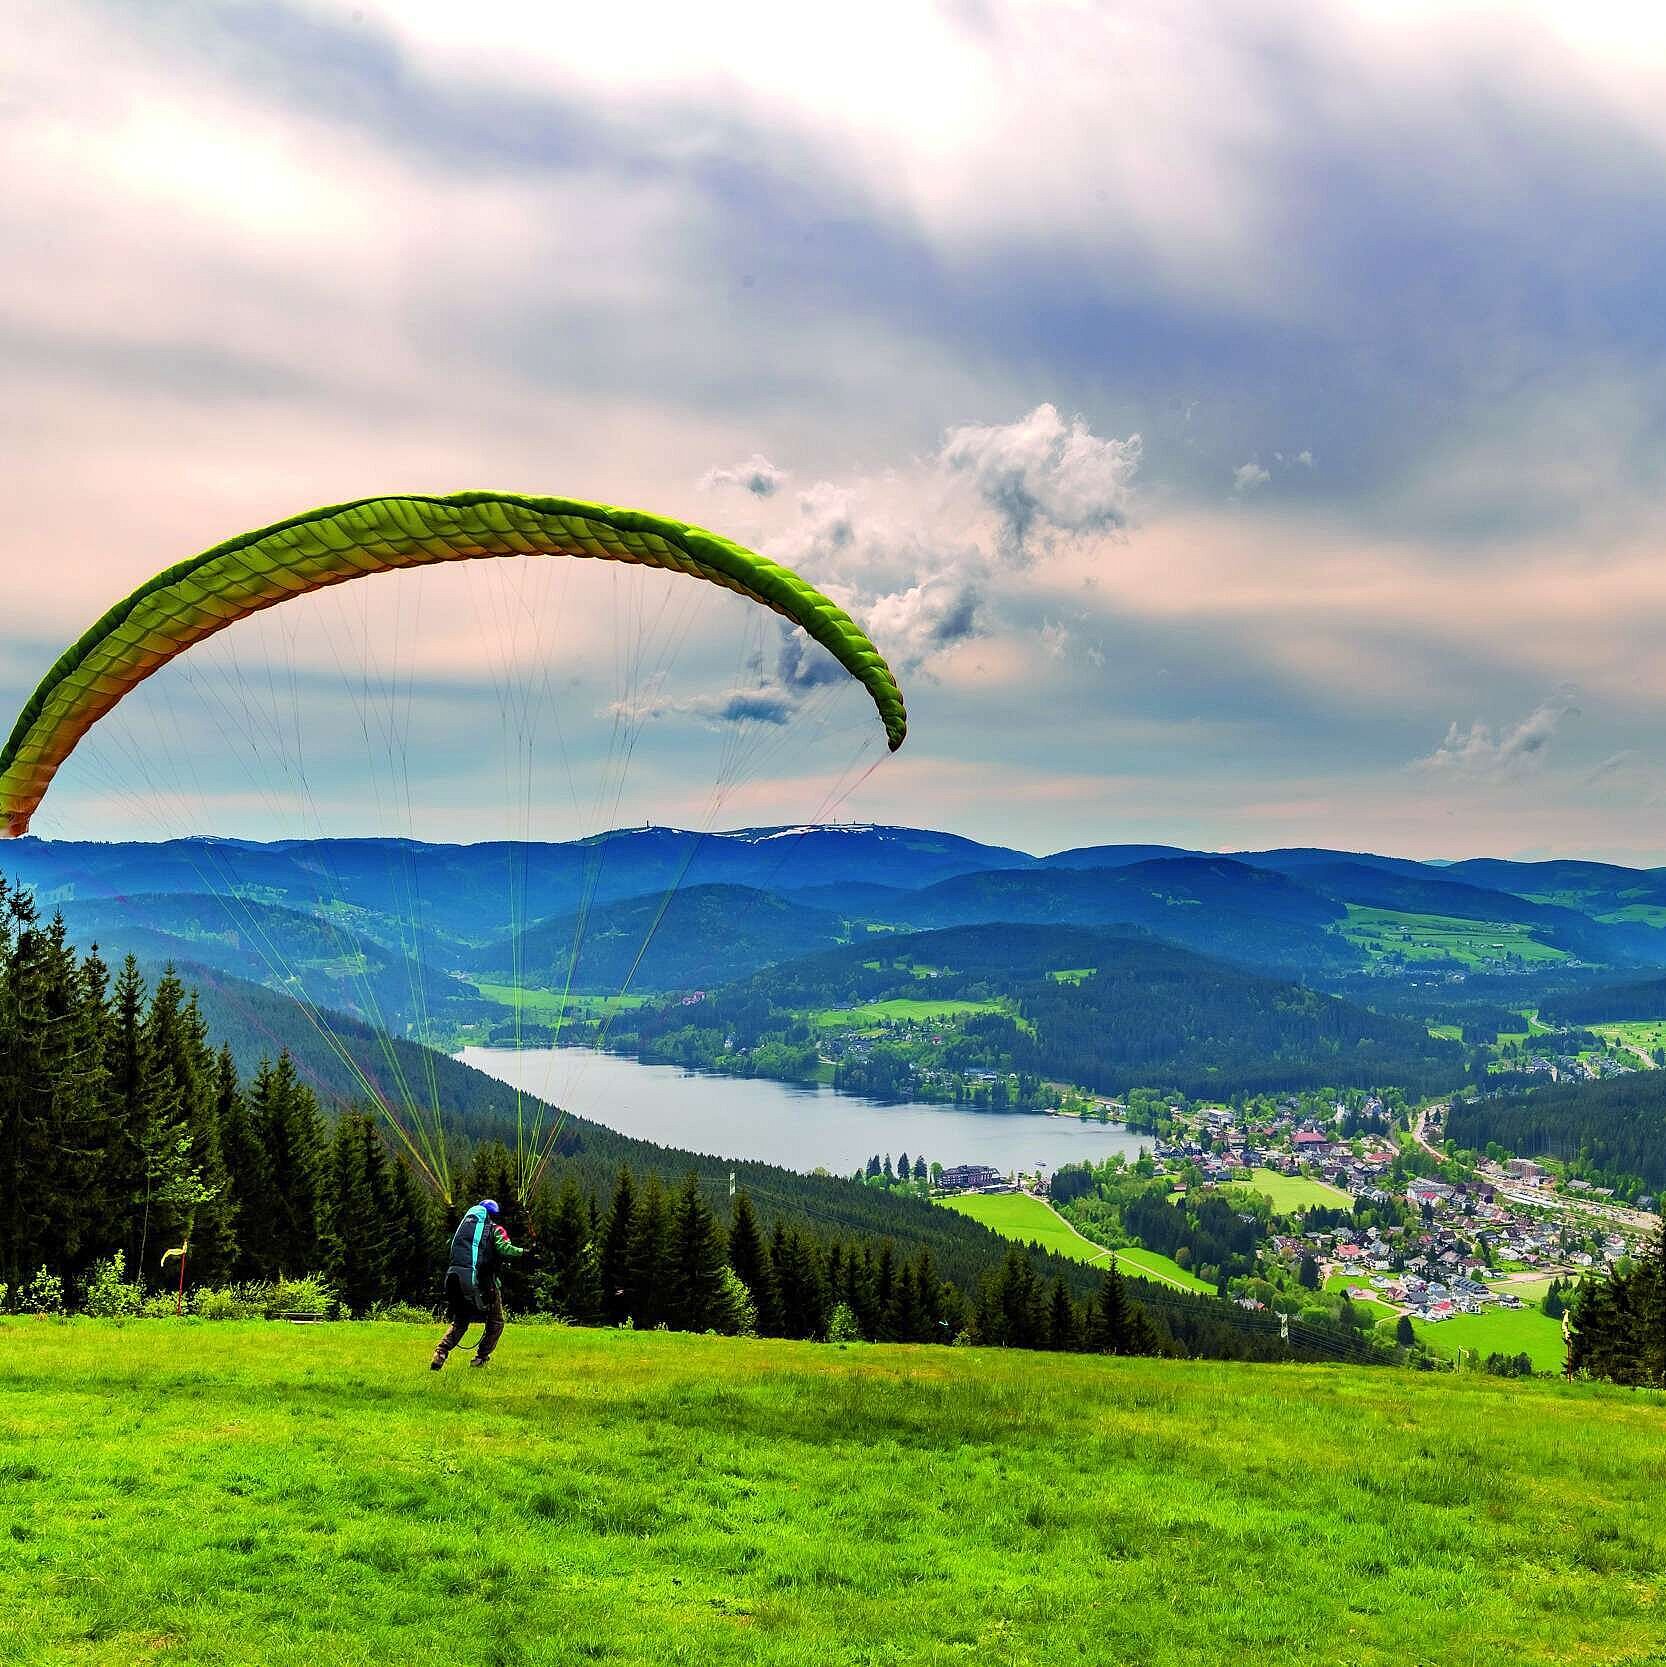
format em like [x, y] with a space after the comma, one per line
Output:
[572, 1276]
[292, 1133]
[649, 1257]
[248, 1172]
[699, 1292]
[617, 1291]
[1061, 1318]
[357, 1199]
[1109, 1333]
[750, 1260]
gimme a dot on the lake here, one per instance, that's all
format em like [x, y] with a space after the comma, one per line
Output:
[795, 1126]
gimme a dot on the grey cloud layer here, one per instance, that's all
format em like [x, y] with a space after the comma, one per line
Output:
[280, 254]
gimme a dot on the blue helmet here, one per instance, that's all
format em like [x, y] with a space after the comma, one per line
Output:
[489, 1205]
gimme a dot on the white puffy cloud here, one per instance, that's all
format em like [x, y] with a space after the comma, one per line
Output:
[1477, 753]
[1043, 476]
[1248, 476]
[756, 475]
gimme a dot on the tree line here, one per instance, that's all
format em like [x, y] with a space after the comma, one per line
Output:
[1617, 1326]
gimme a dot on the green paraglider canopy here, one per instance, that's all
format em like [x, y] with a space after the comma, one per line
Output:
[197, 598]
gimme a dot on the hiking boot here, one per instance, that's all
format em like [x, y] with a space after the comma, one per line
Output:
[436, 1363]
[477, 1361]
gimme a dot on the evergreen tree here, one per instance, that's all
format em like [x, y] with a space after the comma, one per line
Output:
[1061, 1318]
[1403, 1333]
[356, 1210]
[750, 1260]
[249, 1174]
[700, 1298]
[416, 1245]
[904, 1318]
[803, 1296]
[649, 1257]
[572, 1276]
[1110, 1331]
[292, 1133]
[1307, 1272]
[617, 1291]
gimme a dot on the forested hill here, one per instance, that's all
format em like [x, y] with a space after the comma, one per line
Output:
[700, 935]
[1213, 904]
[1104, 1009]
[1615, 1128]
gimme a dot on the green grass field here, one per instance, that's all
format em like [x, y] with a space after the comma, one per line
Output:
[1647, 1034]
[1417, 937]
[1340, 1282]
[898, 1007]
[1015, 1215]
[1500, 1331]
[543, 1003]
[1296, 1192]
[260, 1495]
[1153, 1264]
[1018, 1216]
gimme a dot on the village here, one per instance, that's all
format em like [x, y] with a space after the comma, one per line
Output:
[1429, 1246]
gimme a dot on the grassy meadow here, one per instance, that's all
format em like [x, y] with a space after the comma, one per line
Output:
[1016, 1215]
[1499, 1331]
[548, 1004]
[1297, 1192]
[1419, 937]
[256, 1494]
[918, 1008]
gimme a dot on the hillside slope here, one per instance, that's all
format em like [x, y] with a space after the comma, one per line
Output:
[267, 1495]
[1132, 1011]
[700, 935]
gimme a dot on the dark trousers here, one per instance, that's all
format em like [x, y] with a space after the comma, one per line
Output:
[464, 1313]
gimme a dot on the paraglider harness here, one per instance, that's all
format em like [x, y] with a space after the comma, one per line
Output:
[477, 1247]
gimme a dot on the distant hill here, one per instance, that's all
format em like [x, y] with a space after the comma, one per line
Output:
[341, 960]
[1132, 1011]
[702, 935]
[1212, 904]
[454, 908]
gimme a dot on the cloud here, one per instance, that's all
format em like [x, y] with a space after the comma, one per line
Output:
[1477, 754]
[756, 475]
[1042, 475]
[1248, 476]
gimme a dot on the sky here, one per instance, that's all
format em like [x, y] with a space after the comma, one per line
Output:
[1240, 426]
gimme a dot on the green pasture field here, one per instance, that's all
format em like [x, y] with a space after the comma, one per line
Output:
[1501, 1331]
[1647, 1034]
[550, 1001]
[1153, 1264]
[1418, 937]
[1071, 975]
[258, 1495]
[1378, 1310]
[1016, 1215]
[1446, 1033]
[1635, 914]
[1296, 1192]
[898, 1007]
[1530, 1290]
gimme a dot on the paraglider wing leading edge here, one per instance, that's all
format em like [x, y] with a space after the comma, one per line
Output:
[197, 598]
